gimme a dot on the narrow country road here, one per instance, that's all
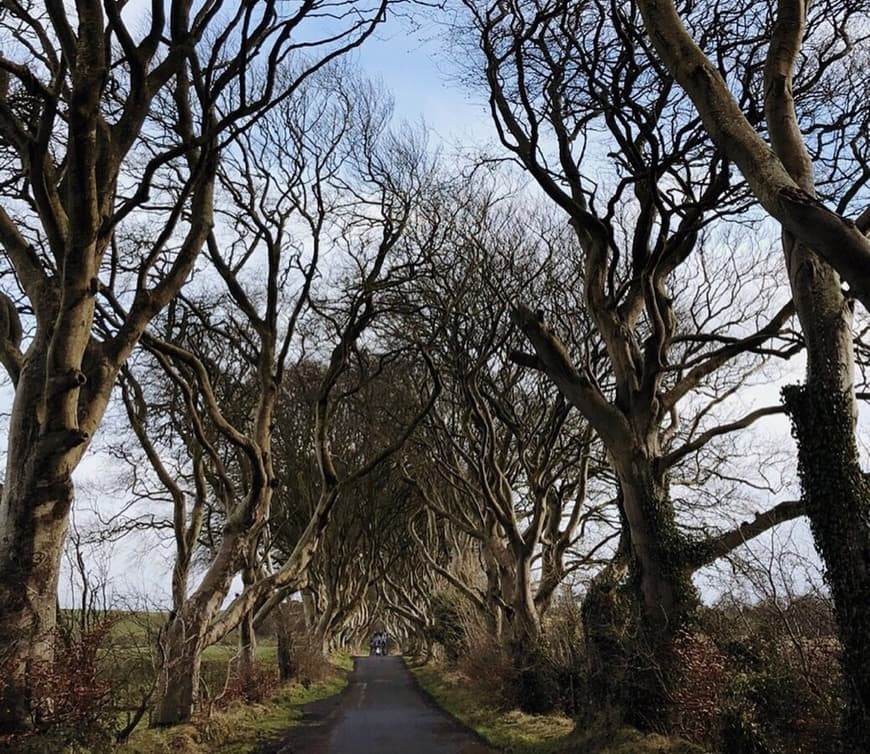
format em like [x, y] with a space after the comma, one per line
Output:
[381, 712]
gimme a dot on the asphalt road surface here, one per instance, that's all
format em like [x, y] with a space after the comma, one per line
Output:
[382, 711]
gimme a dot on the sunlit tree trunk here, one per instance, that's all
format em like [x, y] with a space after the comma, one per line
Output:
[34, 508]
[178, 685]
[185, 639]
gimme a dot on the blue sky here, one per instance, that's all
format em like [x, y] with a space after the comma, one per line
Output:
[417, 68]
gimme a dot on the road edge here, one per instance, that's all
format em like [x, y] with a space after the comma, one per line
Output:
[334, 702]
[459, 721]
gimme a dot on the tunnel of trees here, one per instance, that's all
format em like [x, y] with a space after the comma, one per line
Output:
[514, 408]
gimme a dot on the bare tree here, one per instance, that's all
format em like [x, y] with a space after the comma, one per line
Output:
[801, 58]
[307, 253]
[98, 121]
[809, 78]
[610, 140]
[369, 526]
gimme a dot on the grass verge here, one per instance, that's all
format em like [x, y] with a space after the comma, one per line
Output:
[241, 728]
[515, 732]
[511, 731]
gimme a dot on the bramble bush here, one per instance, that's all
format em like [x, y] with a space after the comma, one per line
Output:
[778, 704]
[761, 678]
[75, 713]
[250, 685]
[309, 664]
[486, 664]
[699, 687]
[784, 687]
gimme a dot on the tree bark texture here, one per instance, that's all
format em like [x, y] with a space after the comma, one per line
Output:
[837, 496]
[187, 634]
[34, 510]
[178, 685]
[283, 630]
[658, 585]
[635, 609]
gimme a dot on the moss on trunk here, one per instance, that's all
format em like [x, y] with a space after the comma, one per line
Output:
[837, 497]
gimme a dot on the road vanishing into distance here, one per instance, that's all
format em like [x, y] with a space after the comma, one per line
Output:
[382, 711]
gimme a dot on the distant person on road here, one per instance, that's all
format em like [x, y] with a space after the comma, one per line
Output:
[379, 643]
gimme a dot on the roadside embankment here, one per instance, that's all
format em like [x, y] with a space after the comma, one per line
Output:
[515, 732]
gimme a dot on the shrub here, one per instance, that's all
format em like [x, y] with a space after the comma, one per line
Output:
[448, 626]
[784, 689]
[249, 684]
[487, 666]
[309, 664]
[699, 686]
[772, 706]
[534, 682]
[547, 676]
[75, 713]
[566, 649]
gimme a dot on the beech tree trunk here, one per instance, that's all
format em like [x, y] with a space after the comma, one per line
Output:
[286, 664]
[322, 629]
[607, 618]
[836, 491]
[663, 588]
[632, 616]
[34, 522]
[186, 635]
[552, 576]
[823, 411]
[495, 612]
[34, 509]
[837, 496]
[247, 646]
[247, 634]
[180, 672]
[309, 609]
[524, 618]
[535, 685]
